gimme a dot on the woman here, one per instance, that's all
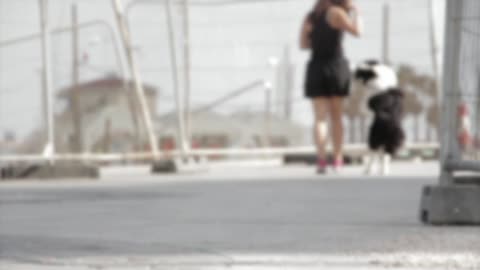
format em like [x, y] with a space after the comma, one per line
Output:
[328, 74]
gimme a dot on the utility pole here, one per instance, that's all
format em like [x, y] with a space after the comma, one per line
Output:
[288, 84]
[386, 33]
[434, 45]
[146, 113]
[178, 95]
[74, 96]
[268, 113]
[187, 70]
[274, 81]
[434, 53]
[49, 149]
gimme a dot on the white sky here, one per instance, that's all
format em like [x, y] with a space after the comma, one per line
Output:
[230, 48]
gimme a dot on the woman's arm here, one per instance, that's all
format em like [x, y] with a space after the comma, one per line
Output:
[305, 42]
[339, 19]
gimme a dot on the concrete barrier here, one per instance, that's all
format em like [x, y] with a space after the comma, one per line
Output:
[164, 166]
[48, 171]
[457, 204]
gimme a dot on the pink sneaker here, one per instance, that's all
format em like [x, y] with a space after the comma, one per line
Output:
[337, 164]
[321, 166]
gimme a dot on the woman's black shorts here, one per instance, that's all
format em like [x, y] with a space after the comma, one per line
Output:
[327, 78]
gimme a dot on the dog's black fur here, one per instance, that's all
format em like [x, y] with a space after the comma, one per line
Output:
[386, 131]
[364, 75]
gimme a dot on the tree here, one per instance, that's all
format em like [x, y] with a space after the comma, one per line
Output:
[405, 75]
[414, 107]
[417, 86]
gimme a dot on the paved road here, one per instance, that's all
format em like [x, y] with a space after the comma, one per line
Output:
[260, 218]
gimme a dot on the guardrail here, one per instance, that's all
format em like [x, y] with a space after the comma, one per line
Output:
[352, 150]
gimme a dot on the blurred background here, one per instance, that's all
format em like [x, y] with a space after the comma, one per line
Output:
[223, 82]
[241, 72]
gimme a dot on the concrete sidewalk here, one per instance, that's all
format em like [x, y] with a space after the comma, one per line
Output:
[230, 218]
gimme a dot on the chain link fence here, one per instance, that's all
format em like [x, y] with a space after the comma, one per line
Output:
[461, 89]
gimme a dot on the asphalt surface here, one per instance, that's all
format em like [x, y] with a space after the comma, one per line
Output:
[229, 218]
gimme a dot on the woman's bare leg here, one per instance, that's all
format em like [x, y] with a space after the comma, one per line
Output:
[336, 113]
[320, 127]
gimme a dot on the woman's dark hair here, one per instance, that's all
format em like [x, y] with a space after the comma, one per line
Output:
[321, 5]
[337, 2]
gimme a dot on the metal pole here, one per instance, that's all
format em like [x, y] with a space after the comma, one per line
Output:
[268, 113]
[132, 105]
[450, 88]
[136, 77]
[433, 42]
[49, 149]
[178, 95]
[386, 33]
[434, 53]
[278, 97]
[187, 69]
[75, 62]
[74, 98]
[274, 80]
[477, 112]
[288, 85]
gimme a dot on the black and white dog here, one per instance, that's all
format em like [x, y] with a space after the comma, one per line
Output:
[385, 100]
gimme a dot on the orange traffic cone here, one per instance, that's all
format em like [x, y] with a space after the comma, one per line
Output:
[464, 129]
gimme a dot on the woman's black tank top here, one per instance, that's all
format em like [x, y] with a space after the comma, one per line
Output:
[326, 41]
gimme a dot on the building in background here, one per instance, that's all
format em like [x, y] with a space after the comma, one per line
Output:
[244, 129]
[109, 115]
